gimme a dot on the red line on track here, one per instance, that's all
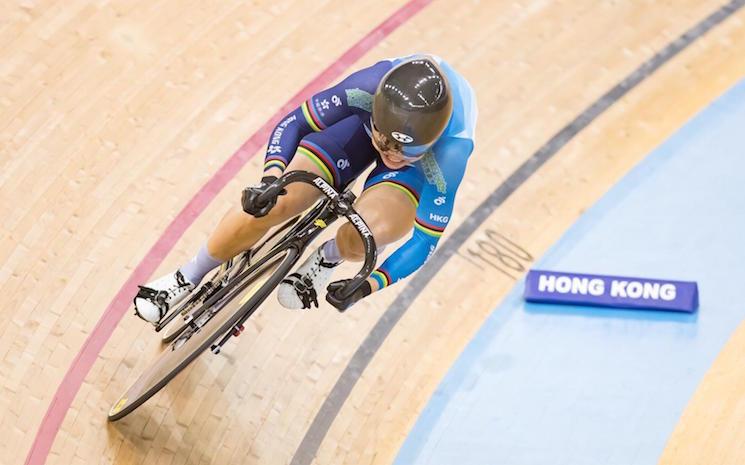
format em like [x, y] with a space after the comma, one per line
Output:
[83, 361]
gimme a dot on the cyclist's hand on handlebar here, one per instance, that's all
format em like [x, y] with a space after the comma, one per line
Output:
[342, 304]
[249, 198]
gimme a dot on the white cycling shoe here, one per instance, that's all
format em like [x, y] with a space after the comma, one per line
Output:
[155, 298]
[302, 288]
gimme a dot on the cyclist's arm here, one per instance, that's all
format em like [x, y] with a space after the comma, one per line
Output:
[323, 109]
[433, 214]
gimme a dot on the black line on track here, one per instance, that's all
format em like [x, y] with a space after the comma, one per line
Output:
[306, 451]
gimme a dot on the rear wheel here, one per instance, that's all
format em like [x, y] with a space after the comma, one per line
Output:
[240, 297]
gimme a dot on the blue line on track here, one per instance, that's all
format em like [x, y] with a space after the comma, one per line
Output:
[576, 385]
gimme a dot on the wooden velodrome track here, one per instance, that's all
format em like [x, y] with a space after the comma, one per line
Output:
[114, 114]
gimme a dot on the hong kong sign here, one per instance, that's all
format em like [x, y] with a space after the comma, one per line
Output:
[610, 291]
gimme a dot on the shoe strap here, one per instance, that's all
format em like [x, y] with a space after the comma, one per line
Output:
[156, 297]
[326, 264]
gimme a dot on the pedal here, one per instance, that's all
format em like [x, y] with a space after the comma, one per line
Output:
[215, 348]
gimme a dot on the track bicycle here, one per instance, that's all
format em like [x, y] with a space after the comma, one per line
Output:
[209, 318]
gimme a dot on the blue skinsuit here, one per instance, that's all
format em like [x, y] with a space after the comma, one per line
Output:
[332, 128]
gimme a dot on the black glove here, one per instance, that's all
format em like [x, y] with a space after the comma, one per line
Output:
[251, 194]
[363, 291]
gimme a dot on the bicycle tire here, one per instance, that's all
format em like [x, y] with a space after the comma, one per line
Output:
[155, 377]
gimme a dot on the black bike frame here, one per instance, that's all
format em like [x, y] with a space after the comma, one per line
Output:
[339, 204]
[306, 230]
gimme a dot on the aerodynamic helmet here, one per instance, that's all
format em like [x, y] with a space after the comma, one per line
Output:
[413, 105]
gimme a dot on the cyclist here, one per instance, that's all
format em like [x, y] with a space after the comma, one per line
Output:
[414, 117]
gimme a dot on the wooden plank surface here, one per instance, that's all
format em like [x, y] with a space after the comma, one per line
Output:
[113, 114]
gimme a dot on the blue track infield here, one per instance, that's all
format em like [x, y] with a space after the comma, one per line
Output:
[543, 384]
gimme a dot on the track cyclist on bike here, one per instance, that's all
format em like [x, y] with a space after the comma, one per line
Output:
[414, 117]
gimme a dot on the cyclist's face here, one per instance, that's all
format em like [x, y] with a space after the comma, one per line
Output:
[390, 151]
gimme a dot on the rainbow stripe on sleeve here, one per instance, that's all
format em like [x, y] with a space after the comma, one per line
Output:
[429, 229]
[382, 277]
[272, 162]
[312, 117]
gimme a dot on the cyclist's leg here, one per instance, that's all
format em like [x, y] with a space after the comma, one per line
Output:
[341, 152]
[239, 231]
[323, 153]
[388, 204]
[236, 232]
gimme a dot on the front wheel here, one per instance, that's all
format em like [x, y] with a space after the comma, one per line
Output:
[213, 322]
